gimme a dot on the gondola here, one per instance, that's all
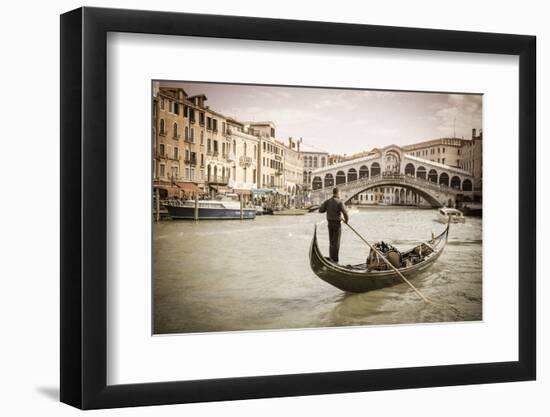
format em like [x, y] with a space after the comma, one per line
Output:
[374, 274]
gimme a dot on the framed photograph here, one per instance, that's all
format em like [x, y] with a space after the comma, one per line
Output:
[257, 208]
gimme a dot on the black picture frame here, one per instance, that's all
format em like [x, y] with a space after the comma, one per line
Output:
[84, 207]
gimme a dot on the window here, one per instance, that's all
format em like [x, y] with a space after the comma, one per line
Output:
[215, 146]
[162, 170]
[186, 133]
[187, 173]
[162, 103]
[174, 172]
[201, 118]
[214, 125]
[161, 127]
[192, 115]
[176, 153]
[176, 131]
[202, 159]
[209, 147]
[443, 151]
[161, 149]
[442, 160]
[209, 123]
[192, 136]
[187, 155]
[202, 137]
[272, 132]
[176, 108]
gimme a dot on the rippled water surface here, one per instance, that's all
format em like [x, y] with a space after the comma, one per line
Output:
[255, 274]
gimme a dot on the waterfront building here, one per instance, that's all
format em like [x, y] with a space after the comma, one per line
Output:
[293, 166]
[176, 154]
[314, 159]
[472, 160]
[270, 166]
[243, 155]
[461, 153]
[446, 151]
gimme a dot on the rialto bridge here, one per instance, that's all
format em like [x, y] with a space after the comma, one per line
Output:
[410, 177]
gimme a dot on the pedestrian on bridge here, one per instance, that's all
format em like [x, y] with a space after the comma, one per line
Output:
[335, 209]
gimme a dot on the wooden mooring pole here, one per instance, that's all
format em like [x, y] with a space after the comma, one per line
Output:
[196, 213]
[241, 203]
[157, 204]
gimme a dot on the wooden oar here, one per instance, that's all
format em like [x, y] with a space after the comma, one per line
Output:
[389, 264]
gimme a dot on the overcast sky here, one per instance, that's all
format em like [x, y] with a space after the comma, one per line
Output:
[346, 121]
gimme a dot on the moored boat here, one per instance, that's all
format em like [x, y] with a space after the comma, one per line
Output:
[444, 215]
[209, 210]
[375, 274]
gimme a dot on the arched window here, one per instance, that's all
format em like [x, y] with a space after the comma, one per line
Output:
[444, 179]
[363, 172]
[432, 175]
[340, 178]
[421, 173]
[329, 180]
[175, 130]
[317, 183]
[375, 169]
[161, 127]
[467, 185]
[409, 169]
[352, 175]
[186, 133]
[455, 183]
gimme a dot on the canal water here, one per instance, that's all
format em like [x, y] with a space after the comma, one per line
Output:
[255, 275]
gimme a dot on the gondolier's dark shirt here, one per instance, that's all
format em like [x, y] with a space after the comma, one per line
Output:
[333, 207]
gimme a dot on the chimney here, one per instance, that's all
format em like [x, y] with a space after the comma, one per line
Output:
[473, 133]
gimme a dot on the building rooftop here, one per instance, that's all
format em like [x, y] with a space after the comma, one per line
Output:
[304, 147]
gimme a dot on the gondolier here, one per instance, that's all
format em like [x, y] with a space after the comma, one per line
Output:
[335, 208]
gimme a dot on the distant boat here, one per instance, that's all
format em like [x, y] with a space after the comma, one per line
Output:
[209, 210]
[444, 215]
[375, 274]
[473, 209]
[290, 212]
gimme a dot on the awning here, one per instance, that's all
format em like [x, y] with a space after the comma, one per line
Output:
[189, 187]
[221, 188]
[262, 190]
[243, 192]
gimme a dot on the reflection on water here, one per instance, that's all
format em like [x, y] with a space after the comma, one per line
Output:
[253, 275]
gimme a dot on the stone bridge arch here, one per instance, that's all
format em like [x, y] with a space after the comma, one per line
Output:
[425, 194]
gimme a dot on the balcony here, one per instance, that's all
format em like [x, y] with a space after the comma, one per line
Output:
[218, 180]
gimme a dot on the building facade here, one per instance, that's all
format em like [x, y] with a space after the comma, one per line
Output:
[244, 156]
[270, 166]
[313, 159]
[446, 151]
